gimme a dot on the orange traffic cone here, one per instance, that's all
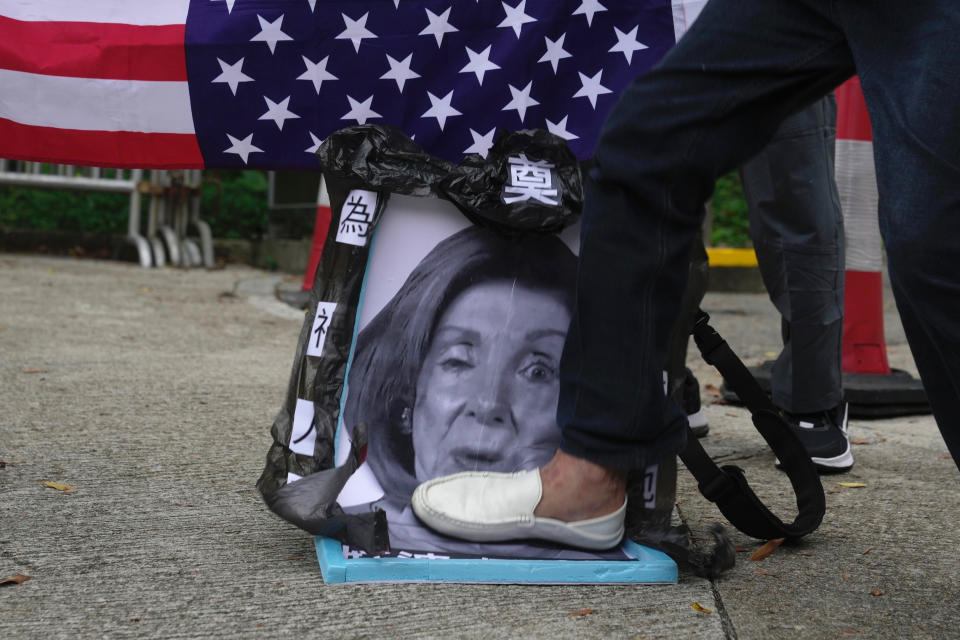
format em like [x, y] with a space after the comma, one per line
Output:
[870, 385]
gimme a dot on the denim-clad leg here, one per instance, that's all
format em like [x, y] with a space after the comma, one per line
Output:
[797, 229]
[908, 56]
[713, 102]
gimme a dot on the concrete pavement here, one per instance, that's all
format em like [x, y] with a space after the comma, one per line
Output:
[152, 392]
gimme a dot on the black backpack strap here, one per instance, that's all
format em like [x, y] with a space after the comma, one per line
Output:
[726, 486]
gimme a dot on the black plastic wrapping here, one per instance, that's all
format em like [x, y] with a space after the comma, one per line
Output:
[311, 504]
[382, 159]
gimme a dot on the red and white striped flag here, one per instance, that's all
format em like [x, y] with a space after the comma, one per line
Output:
[255, 83]
[101, 82]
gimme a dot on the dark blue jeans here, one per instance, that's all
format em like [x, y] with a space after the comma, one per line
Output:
[714, 101]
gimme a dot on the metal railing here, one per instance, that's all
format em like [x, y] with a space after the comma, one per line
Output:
[173, 210]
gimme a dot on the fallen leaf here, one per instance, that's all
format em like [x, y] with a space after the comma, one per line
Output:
[59, 486]
[740, 549]
[945, 456]
[805, 554]
[859, 442]
[770, 354]
[697, 607]
[50, 271]
[766, 549]
[846, 576]
[144, 288]
[866, 551]
[852, 485]
[713, 390]
[35, 371]
[834, 490]
[582, 612]
[877, 592]
[764, 573]
[17, 578]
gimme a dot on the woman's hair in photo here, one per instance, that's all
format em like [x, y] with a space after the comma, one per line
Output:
[391, 348]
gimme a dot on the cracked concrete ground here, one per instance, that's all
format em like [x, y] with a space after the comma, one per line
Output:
[152, 393]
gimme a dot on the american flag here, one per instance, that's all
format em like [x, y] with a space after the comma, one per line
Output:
[260, 83]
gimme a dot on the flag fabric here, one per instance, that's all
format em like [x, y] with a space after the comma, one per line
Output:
[260, 83]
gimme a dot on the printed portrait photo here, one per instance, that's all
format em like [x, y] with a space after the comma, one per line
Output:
[455, 365]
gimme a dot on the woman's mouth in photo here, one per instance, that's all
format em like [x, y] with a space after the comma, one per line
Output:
[477, 459]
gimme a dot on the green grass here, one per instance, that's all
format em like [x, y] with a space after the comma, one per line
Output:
[731, 222]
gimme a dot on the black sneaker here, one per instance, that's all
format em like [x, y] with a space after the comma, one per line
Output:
[691, 405]
[824, 436]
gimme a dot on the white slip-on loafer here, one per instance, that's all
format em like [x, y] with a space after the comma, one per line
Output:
[491, 507]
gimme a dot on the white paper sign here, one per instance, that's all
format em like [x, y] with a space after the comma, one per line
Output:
[321, 324]
[356, 218]
[303, 435]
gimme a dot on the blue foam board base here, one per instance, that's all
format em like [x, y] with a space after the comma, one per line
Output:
[649, 567]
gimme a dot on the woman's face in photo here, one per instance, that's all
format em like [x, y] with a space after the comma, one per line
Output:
[488, 389]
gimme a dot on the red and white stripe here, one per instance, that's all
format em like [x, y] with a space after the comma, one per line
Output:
[99, 82]
[864, 347]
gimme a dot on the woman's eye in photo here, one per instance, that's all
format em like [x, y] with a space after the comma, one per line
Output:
[458, 357]
[538, 371]
[454, 364]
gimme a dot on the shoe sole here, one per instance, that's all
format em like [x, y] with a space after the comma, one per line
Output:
[698, 423]
[564, 533]
[842, 462]
[836, 464]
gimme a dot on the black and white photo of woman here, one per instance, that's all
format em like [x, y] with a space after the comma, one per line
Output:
[459, 372]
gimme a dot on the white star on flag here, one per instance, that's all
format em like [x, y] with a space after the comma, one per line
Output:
[516, 17]
[178, 82]
[229, 4]
[560, 129]
[627, 43]
[481, 143]
[591, 88]
[270, 33]
[316, 72]
[278, 111]
[555, 52]
[242, 148]
[232, 74]
[521, 100]
[400, 71]
[440, 109]
[588, 8]
[316, 143]
[479, 63]
[360, 111]
[356, 30]
[439, 25]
